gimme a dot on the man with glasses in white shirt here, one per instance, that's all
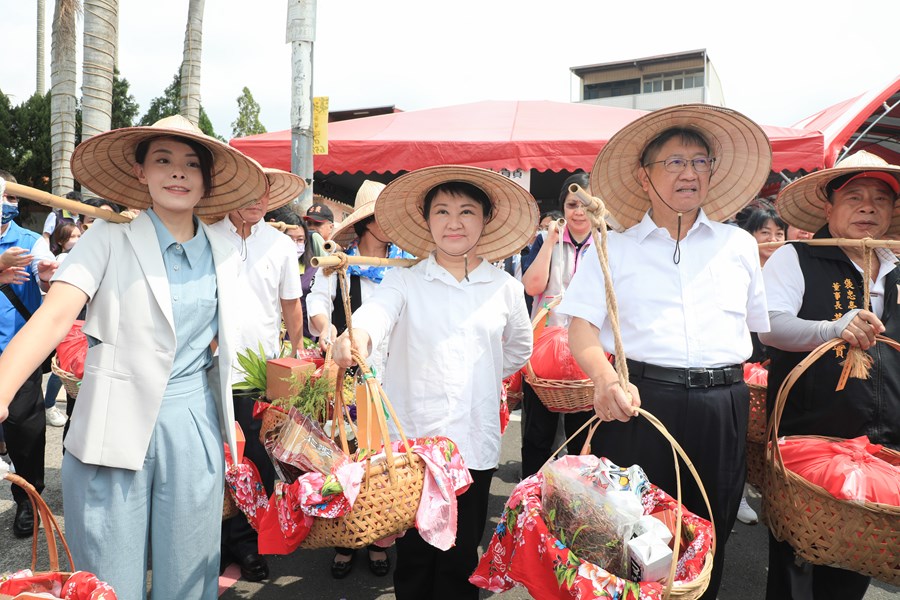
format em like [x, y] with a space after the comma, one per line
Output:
[689, 292]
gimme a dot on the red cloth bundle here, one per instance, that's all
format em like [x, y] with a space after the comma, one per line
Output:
[72, 351]
[79, 585]
[551, 358]
[847, 469]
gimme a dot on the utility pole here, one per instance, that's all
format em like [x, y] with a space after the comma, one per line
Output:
[301, 33]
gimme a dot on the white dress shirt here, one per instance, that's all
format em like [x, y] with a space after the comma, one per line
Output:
[785, 285]
[321, 299]
[451, 344]
[268, 275]
[694, 314]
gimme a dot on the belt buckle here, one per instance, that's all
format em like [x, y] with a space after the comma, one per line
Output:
[699, 378]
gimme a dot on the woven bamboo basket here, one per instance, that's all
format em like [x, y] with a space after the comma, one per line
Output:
[756, 464]
[691, 590]
[272, 420]
[52, 531]
[558, 395]
[756, 427]
[858, 536]
[391, 488]
[229, 508]
[71, 383]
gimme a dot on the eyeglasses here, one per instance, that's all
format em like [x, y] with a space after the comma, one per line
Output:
[703, 164]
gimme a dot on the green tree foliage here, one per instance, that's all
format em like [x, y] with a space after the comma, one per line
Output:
[170, 104]
[7, 137]
[31, 162]
[124, 107]
[247, 122]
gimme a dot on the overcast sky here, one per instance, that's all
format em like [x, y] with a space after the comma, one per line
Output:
[778, 60]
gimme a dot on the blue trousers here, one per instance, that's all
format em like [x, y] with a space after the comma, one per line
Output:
[115, 518]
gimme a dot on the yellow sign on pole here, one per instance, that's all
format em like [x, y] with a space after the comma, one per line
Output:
[320, 125]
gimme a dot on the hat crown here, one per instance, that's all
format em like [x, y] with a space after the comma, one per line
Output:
[862, 159]
[177, 122]
[367, 193]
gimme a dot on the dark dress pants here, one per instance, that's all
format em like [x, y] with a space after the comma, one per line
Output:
[26, 435]
[423, 571]
[710, 424]
[239, 539]
[790, 579]
[539, 431]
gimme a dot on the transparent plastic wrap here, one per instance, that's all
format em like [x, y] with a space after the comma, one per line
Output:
[302, 443]
[592, 506]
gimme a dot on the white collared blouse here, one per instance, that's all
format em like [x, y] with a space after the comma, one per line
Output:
[451, 344]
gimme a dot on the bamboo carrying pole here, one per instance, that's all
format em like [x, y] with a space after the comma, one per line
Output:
[48, 199]
[336, 259]
[840, 242]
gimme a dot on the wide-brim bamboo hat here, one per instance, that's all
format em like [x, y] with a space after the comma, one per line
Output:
[399, 211]
[283, 187]
[105, 165]
[363, 208]
[741, 148]
[802, 202]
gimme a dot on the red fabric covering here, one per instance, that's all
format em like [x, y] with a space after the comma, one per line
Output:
[80, 585]
[72, 351]
[847, 469]
[756, 374]
[523, 552]
[551, 358]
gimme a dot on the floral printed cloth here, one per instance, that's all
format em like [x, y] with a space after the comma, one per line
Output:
[79, 585]
[286, 522]
[523, 552]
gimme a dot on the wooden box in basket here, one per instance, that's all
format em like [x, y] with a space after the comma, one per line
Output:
[278, 376]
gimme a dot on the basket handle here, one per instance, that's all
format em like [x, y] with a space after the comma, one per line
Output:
[784, 390]
[51, 527]
[677, 451]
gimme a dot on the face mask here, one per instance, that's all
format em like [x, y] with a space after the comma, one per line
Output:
[10, 212]
[301, 247]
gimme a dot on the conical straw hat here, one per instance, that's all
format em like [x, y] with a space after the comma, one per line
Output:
[363, 208]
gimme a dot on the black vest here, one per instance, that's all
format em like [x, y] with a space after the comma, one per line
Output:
[869, 407]
[338, 316]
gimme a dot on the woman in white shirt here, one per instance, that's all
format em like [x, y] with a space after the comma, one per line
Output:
[457, 327]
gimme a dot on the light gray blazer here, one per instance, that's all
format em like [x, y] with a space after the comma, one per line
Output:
[121, 270]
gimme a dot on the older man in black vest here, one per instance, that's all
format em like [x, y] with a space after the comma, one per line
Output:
[815, 293]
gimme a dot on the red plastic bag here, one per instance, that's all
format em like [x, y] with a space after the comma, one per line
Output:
[72, 351]
[847, 469]
[756, 374]
[552, 359]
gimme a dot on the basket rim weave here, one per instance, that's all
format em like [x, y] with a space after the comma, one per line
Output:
[70, 382]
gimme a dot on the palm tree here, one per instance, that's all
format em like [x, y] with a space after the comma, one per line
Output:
[190, 64]
[62, 94]
[41, 22]
[100, 39]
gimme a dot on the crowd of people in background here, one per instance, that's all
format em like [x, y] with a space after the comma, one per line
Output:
[198, 274]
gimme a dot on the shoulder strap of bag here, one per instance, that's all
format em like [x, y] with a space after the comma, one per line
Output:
[14, 300]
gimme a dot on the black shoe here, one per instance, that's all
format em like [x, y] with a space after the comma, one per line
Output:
[23, 524]
[339, 569]
[379, 567]
[254, 568]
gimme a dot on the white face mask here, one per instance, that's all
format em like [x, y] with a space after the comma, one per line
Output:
[301, 247]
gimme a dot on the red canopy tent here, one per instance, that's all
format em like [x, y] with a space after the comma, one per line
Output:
[870, 121]
[545, 136]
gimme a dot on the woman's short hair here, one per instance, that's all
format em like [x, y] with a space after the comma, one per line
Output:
[459, 188]
[360, 226]
[101, 202]
[755, 215]
[203, 155]
[582, 179]
[61, 235]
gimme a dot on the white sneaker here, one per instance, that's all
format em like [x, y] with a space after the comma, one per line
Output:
[746, 514]
[55, 417]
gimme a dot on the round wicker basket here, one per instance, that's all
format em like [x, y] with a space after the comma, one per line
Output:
[69, 381]
[563, 396]
[756, 427]
[858, 536]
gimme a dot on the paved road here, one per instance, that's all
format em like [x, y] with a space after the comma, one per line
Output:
[305, 573]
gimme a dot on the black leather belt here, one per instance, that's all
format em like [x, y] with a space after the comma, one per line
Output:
[689, 378]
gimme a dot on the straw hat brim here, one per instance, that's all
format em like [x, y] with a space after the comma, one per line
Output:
[741, 148]
[105, 165]
[283, 187]
[802, 202]
[344, 233]
[399, 211]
